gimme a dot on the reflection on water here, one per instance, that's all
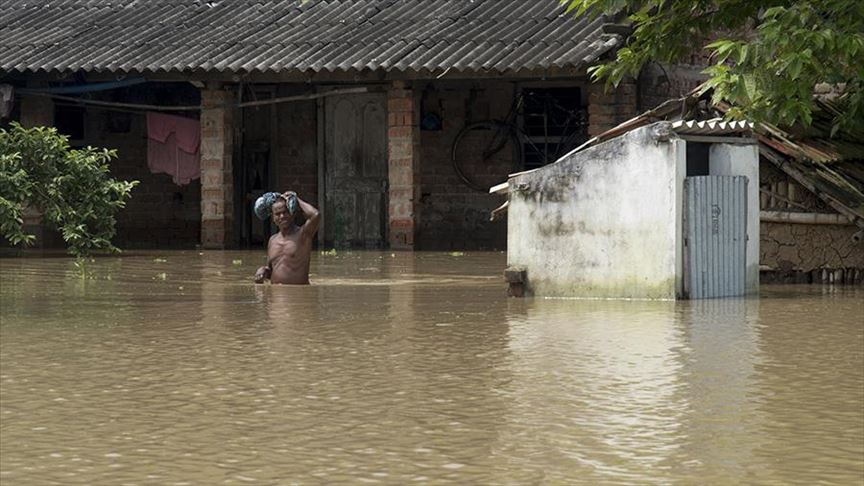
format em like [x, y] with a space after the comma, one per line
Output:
[173, 368]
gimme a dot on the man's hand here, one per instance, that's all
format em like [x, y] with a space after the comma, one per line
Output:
[262, 274]
[290, 201]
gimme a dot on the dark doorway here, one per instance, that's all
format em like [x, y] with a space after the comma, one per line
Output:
[253, 170]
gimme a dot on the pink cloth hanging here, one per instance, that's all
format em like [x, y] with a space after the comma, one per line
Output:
[172, 147]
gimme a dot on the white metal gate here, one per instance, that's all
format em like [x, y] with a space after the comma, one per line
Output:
[715, 226]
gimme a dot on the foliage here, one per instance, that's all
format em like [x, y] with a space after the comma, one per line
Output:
[71, 187]
[766, 57]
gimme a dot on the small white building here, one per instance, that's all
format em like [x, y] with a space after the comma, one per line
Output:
[665, 211]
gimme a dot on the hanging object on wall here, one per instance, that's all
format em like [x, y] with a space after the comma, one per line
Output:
[430, 122]
[172, 147]
[430, 109]
[6, 94]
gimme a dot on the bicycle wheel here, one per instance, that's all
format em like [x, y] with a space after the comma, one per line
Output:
[480, 153]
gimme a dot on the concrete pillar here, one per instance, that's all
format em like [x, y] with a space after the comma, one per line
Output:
[217, 180]
[608, 109]
[403, 140]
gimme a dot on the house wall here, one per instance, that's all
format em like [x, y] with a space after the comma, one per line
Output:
[799, 253]
[659, 83]
[609, 107]
[403, 166]
[733, 160]
[581, 227]
[160, 213]
[451, 214]
[295, 147]
[804, 253]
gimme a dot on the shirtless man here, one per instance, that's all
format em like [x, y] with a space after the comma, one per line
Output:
[289, 250]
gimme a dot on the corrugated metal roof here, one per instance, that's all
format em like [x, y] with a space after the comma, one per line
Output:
[290, 35]
[714, 126]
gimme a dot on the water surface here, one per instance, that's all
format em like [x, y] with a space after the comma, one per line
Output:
[401, 368]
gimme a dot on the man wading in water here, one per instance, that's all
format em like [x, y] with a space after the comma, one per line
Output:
[289, 250]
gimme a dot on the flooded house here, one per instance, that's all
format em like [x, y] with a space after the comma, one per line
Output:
[393, 118]
[662, 209]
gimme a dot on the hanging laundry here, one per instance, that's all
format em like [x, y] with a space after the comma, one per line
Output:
[5, 100]
[172, 147]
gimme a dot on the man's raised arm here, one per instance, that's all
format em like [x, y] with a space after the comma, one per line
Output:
[313, 218]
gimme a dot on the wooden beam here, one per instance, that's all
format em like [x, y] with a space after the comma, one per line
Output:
[803, 218]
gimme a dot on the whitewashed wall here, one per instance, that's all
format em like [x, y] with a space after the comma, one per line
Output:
[602, 223]
[729, 159]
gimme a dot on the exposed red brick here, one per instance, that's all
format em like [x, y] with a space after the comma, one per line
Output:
[398, 105]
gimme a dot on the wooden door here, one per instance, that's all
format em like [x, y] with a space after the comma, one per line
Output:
[355, 157]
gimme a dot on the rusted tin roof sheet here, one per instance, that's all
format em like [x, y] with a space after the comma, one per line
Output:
[831, 167]
[289, 35]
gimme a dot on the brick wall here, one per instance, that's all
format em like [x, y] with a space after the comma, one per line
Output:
[160, 214]
[452, 215]
[660, 83]
[608, 108]
[403, 156]
[217, 182]
[38, 111]
[295, 155]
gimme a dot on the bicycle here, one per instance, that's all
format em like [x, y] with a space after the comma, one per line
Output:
[570, 126]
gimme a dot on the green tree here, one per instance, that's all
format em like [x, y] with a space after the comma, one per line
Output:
[766, 56]
[71, 187]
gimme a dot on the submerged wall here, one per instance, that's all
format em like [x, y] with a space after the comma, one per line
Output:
[454, 216]
[451, 215]
[160, 213]
[602, 223]
[795, 252]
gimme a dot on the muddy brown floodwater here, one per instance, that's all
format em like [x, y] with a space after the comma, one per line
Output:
[400, 368]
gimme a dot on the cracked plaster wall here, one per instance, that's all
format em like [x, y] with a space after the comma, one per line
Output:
[803, 252]
[806, 247]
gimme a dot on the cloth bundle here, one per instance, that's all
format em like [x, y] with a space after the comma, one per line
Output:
[264, 204]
